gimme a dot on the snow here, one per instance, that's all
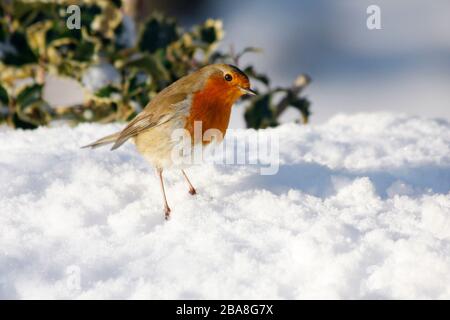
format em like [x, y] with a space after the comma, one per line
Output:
[100, 75]
[128, 36]
[360, 208]
[6, 48]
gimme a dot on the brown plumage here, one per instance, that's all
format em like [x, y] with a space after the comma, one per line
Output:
[206, 95]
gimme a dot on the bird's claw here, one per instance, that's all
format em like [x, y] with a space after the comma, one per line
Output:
[167, 213]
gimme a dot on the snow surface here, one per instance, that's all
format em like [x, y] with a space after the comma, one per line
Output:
[359, 209]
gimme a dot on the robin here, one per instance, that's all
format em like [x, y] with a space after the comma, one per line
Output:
[206, 95]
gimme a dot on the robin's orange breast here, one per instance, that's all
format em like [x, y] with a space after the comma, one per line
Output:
[212, 106]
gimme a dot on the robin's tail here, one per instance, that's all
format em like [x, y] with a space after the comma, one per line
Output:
[103, 141]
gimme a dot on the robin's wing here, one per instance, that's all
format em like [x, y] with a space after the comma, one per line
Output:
[167, 104]
[158, 111]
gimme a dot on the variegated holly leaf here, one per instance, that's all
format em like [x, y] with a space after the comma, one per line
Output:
[259, 113]
[4, 98]
[31, 108]
[19, 53]
[158, 32]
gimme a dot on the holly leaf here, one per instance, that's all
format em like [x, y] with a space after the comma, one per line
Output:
[150, 65]
[158, 33]
[29, 94]
[211, 31]
[21, 53]
[261, 77]
[106, 92]
[31, 109]
[302, 105]
[4, 98]
[259, 113]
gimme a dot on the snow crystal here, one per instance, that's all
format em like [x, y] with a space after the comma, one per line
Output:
[360, 208]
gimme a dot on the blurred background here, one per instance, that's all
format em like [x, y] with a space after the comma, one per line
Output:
[404, 67]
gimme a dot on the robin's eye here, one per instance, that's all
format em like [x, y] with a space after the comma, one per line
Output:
[228, 77]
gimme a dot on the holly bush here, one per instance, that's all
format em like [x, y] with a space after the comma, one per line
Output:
[120, 64]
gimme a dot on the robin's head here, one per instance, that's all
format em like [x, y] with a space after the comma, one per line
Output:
[235, 78]
[226, 80]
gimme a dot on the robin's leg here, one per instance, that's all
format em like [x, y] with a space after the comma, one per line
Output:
[191, 187]
[166, 206]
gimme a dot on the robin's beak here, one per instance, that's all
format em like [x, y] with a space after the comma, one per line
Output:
[247, 91]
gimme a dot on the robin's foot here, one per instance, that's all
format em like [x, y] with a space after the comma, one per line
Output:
[167, 213]
[192, 191]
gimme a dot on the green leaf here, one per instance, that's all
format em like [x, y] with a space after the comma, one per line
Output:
[117, 3]
[36, 114]
[138, 82]
[28, 95]
[158, 33]
[2, 32]
[3, 95]
[259, 113]
[106, 22]
[30, 13]
[31, 109]
[303, 105]
[250, 71]
[106, 92]
[151, 65]
[59, 30]
[88, 14]
[208, 35]
[248, 50]
[219, 57]
[84, 51]
[209, 32]
[23, 53]
[22, 124]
